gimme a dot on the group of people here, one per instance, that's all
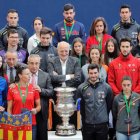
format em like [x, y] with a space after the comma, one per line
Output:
[105, 70]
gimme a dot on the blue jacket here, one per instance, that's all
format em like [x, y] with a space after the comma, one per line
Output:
[3, 92]
[60, 33]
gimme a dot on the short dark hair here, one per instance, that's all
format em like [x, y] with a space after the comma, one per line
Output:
[125, 6]
[11, 31]
[126, 78]
[68, 6]
[93, 66]
[126, 39]
[12, 11]
[45, 30]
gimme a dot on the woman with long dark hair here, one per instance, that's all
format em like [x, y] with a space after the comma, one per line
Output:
[111, 51]
[78, 50]
[23, 97]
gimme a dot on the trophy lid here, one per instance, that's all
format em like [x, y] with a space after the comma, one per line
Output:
[64, 89]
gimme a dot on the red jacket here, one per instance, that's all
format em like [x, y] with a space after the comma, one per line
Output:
[121, 66]
[93, 41]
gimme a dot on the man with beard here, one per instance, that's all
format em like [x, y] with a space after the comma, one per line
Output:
[127, 27]
[96, 102]
[68, 29]
[123, 65]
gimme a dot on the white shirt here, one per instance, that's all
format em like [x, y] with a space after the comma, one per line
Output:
[63, 64]
[36, 78]
[32, 43]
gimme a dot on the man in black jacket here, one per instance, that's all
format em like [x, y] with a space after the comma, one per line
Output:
[126, 27]
[44, 49]
[42, 83]
[12, 23]
[96, 101]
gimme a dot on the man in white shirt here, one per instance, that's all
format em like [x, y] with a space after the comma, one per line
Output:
[64, 70]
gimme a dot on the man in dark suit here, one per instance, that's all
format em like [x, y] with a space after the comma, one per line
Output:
[65, 71]
[10, 66]
[42, 82]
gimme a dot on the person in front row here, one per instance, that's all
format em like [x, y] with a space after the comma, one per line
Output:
[65, 71]
[23, 97]
[96, 102]
[42, 83]
[126, 112]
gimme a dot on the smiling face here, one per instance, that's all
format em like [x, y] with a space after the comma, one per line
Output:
[63, 50]
[25, 76]
[93, 75]
[45, 39]
[110, 47]
[13, 40]
[95, 56]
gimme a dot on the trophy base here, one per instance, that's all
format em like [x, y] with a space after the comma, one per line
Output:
[65, 130]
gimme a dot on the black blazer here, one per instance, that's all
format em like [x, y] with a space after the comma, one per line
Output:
[44, 82]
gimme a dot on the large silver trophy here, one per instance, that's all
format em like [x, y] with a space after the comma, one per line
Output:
[65, 108]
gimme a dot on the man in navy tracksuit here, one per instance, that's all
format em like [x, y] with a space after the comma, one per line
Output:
[68, 29]
[96, 101]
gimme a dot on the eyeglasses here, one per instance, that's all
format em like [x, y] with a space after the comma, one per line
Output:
[14, 37]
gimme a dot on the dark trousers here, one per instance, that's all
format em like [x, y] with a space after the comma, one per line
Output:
[34, 130]
[95, 132]
[42, 132]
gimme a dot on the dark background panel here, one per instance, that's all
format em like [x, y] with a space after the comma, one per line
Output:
[51, 11]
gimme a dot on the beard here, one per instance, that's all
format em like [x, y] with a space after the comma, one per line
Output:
[69, 20]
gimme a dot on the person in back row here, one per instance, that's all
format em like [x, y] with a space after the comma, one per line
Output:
[126, 27]
[12, 23]
[68, 29]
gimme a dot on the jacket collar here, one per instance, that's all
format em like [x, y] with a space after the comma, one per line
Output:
[129, 57]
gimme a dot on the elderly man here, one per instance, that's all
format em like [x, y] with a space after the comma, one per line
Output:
[64, 69]
[42, 83]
